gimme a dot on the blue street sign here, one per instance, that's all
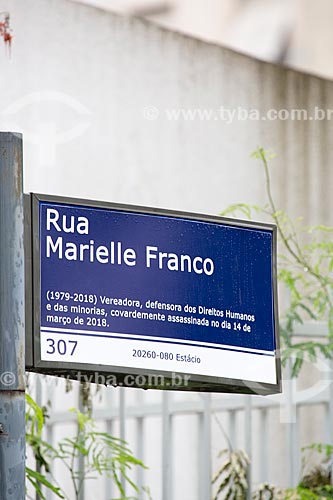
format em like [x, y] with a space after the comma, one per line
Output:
[129, 288]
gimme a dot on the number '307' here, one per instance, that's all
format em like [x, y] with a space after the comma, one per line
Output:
[61, 347]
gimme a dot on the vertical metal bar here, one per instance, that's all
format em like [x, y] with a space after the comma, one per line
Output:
[296, 447]
[50, 441]
[12, 320]
[39, 390]
[39, 399]
[264, 456]
[292, 431]
[81, 463]
[232, 415]
[331, 416]
[327, 418]
[248, 441]
[201, 457]
[166, 447]
[109, 430]
[122, 424]
[140, 444]
[205, 461]
[49, 390]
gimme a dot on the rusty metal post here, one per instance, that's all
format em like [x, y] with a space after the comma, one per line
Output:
[12, 361]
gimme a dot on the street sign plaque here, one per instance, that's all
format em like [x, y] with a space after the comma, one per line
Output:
[123, 294]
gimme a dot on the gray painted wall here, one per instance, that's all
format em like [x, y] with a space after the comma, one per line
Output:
[78, 80]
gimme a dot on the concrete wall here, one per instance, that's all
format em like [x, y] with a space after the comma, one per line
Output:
[77, 83]
[295, 31]
[92, 93]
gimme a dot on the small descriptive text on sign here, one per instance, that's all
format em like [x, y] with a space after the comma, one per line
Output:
[99, 311]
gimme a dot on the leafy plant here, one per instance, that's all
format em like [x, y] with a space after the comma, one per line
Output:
[305, 269]
[101, 453]
[231, 478]
[315, 484]
[34, 427]
[319, 478]
[300, 493]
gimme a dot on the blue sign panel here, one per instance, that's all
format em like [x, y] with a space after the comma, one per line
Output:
[153, 291]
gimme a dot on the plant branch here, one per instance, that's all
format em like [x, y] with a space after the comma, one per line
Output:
[297, 255]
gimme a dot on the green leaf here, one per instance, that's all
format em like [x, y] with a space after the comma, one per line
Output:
[37, 417]
[308, 310]
[37, 479]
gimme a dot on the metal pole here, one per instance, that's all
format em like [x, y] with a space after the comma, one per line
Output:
[166, 447]
[205, 444]
[248, 442]
[122, 424]
[81, 460]
[39, 401]
[292, 429]
[12, 356]
[330, 411]
[140, 443]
